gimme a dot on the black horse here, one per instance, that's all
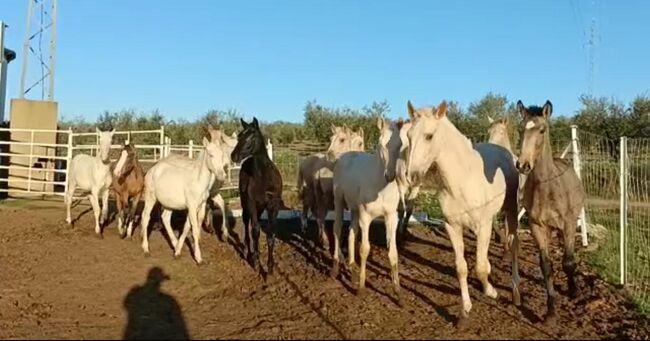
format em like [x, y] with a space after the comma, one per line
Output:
[260, 188]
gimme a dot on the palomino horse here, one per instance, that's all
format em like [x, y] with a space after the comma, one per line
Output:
[323, 194]
[128, 184]
[475, 183]
[341, 141]
[365, 183]
[180, 183]
[260, 188]
[553, 195]
[92, 174]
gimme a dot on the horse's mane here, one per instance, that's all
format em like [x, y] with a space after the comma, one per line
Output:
[534, 110]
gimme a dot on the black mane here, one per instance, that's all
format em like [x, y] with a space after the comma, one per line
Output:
[534, 110]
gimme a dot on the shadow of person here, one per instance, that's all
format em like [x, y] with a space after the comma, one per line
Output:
[152, 314]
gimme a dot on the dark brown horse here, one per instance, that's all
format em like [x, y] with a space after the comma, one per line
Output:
[260, 188]
[553, 195]
[128, 184]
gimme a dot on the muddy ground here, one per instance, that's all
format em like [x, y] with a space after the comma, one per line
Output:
[63, 282]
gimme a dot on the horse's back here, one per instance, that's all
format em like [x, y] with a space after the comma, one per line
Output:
[496, 157]
[356, 178]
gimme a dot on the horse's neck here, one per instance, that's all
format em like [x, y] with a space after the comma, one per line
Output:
[545, 168]
[503, 141]
[201, 170]
[456, 158]
[261, 161]
[100, 162]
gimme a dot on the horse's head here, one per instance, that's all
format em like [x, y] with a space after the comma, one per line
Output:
[498, 130]
[534, 129]
[424, 142]
[357, 142]
[250, 141]
[226, 142]
[127, 160]
[389, 146]
[214, 156]
[105, 142]
[339, 142]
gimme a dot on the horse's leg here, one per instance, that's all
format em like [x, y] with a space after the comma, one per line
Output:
[568, 261]
[364, 224]
[219, 202]
[272, 212]
[196, 218]
[338, 226]
[401, 228]
[181, 239]
[94, 201]
[72, 185]
[105, 193]
[254, 256]
[483, 267]
[456, 237]
[391, 236]
[352, 237]
[133, 207]
[306, 206]
[512, 225]
[149, 202]
[321, 214]
[119, 202]
[166, 217]
[542, 236]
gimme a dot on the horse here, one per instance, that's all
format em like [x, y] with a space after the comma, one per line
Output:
[553, 195]
[92, 174]
[260, 188]
[365, 183]
[227, 144]
[341, 141]
[128, 185]
[476, 181]
[323, 196]
[181, 183]
[498, 134]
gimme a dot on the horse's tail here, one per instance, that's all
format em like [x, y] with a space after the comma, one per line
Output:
[300, 182]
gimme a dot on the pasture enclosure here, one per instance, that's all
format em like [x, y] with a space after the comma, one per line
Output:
[615, 174]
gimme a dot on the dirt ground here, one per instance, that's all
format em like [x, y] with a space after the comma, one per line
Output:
[60, 282]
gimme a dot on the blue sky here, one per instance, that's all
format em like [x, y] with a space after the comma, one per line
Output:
[268, 58]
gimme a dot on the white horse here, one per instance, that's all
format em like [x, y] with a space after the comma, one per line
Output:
[475, 183]
[181, 183]
[365, 183]
[227, 144]
[92, 174]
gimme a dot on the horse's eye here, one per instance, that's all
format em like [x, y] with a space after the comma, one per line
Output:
[341, 140]
[429, 137]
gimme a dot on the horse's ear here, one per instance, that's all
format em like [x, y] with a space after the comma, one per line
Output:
[97, 130]
[255, 123]
[234, 134]
[380, 123]
[205, 141]
[521, 109]
[442, 109]
[490, 119]
[112, 131]
[411, 109]
[505, 120]
[360, 132]
[547, 109]
[243, 123]
[333, 128]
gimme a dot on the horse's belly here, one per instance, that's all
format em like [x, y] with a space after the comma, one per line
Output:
[170, 196]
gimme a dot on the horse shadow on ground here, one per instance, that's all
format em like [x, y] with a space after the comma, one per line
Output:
[152, 313]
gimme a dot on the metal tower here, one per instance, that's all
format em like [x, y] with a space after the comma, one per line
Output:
[41, 30]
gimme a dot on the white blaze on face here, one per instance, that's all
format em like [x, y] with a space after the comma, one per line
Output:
[120, 163]
[530, 125]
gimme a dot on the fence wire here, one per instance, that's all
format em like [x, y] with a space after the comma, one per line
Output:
[637, 237]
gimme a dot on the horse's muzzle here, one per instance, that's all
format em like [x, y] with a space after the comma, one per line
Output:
[523, 167]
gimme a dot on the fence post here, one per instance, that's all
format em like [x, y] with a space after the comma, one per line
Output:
[269, 149]
[162, 140]
[190, 149]
[68, 160]
[623, 208]
[578, 169]
[168, 143]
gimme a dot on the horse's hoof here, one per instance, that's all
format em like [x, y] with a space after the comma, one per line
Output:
[147, 254]
[200, 263]
[398, 299]
[550, 318]
[463, 321]
[362, 292]
[99, 236]
[516, 298]
[334, 272]
[573, 293]
[176, 257]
